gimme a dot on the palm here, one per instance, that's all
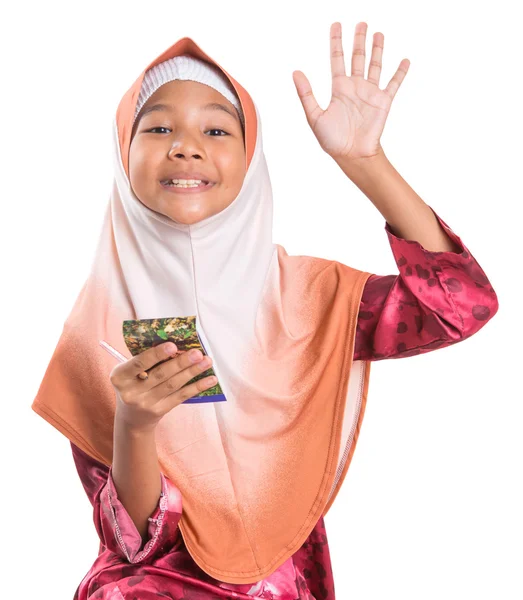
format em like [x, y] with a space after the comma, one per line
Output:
[352, 125]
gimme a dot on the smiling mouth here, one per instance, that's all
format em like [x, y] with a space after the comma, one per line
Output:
[202, 187]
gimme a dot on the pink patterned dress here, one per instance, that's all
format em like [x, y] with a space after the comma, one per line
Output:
[437, 299]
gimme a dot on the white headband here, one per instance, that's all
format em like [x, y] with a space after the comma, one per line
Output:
[187, 67]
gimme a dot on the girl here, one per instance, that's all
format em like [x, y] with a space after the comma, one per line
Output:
[226, 500]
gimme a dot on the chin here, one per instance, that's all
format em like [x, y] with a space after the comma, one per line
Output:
[189, 220]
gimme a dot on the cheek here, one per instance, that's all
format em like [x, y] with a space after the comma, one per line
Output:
[232, 167]
[141, 166]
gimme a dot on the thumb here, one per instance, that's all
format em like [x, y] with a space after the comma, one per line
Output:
[308, 101]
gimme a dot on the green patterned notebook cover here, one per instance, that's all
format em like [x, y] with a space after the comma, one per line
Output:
[141, 334]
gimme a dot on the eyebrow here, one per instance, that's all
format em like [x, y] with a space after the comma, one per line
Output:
[209, 106]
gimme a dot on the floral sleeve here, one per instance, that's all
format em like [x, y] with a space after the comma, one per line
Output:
[437, 299]
[116, 529]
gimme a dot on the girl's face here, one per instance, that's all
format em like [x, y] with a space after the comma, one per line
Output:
[185, 136]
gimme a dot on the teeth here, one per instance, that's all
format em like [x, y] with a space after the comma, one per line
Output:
[185, 182]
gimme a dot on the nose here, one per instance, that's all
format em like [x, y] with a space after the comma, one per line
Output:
[183, 154]
[184, 148]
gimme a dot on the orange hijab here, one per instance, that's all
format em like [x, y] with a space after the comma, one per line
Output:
[258, 470]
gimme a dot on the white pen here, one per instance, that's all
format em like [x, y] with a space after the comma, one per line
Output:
[119, 356]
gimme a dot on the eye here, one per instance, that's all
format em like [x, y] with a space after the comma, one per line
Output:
[150, 130]
[218, 130]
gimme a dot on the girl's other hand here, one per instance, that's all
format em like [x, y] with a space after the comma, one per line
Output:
[351, 126]
[141, 403]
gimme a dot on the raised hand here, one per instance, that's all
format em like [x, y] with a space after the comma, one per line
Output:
[352, 125]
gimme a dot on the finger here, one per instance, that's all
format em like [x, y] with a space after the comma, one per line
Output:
[376, 58]
[148, 359]
[176, 387]
[165, 371]
[336, 50]
[358, 51]
[308, 101]
[186, 392]
[398, 77]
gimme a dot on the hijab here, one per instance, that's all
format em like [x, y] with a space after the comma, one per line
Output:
[257, 471]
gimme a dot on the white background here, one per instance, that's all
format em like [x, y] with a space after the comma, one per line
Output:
[431, 505]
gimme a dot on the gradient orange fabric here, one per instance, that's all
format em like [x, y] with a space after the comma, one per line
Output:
[257, 471]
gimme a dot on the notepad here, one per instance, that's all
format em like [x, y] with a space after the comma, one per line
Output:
[141, 334]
